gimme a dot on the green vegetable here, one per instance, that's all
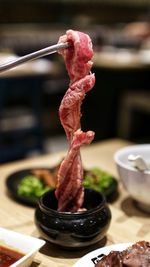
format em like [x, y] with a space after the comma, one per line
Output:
[31, 186]
[98, 180]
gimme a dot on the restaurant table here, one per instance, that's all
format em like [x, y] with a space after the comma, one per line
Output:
[128, 224]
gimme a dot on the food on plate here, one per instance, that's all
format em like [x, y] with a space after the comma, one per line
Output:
[69, 189]
[47, 177]
[8, 256]
[35, 182]
[32, 187]
[97, 179]
[137, 255]
[101, 181]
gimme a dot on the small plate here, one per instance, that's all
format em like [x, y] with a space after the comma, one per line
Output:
[93, 257]
[26, 244]
[14, 180]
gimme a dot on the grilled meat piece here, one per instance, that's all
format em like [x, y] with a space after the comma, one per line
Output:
[138, 255]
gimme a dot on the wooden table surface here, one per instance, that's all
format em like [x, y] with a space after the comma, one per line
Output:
[128, 224]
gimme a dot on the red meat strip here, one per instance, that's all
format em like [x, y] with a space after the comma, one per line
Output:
[69, 111]
[78, 56]
[69, 191]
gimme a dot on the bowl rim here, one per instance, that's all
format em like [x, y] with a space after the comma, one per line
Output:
[123, 150]
[70, 214]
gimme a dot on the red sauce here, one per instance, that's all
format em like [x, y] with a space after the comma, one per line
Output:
[8, 256]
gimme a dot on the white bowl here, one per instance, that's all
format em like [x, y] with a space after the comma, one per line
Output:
[23, 243]
[137, 183]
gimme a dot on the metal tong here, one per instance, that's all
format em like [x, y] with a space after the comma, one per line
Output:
[37, 54]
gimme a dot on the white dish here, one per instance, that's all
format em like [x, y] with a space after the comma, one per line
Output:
[136, 183]
[93, 257]
[26, 244]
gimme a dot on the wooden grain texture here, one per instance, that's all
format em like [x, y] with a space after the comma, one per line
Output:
[128, 224]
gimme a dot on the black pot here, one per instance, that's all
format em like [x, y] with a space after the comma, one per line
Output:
[73, 229]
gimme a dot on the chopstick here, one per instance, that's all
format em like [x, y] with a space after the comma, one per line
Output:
[37, 54]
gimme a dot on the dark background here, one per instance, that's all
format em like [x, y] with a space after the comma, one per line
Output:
[29, 25]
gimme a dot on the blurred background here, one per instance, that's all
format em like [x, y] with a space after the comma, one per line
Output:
[30, 95]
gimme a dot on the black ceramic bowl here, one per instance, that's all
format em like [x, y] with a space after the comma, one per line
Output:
[73, 229]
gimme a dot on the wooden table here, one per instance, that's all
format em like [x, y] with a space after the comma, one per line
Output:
[128, 224]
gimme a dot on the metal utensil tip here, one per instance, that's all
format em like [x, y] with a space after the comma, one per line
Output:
[37, 54]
